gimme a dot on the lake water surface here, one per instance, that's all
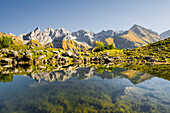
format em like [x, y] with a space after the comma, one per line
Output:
[85, 89]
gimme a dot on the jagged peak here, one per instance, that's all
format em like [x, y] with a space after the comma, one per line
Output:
[62, 30]
[110, 31]
[49, 29]
[37, 29]
[84, 31]
[135, 26]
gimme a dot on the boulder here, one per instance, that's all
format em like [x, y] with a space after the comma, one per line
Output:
[65, 59]
[81, 58]
[86, 59]
[58, 56]
[78, 61]
[108, 59]
[60, 50]
[42, 56]
[118, 58]
[41, 51]
[15, 53]
[28, 51]
[148, 58]
[1, 55]
[24, 58]
[31, 48]
[6, 60]
[107, 53]
[68, 53]
[45, 61]
[22, 53]
[35, 61]
[35, 51]
[77, 54]
[94, 59]
[4, 51]
[86, 54]
[55, 52]
[74, 56]
[136, 57]
[12, 54]
[130, 58]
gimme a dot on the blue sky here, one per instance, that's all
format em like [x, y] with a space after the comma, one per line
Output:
[22, 16]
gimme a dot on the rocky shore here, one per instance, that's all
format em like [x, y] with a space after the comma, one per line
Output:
[38, 57]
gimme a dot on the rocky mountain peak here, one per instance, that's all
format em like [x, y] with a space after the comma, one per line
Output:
[37, 29]
[83, 35]
[137, 29]
[84, 31]
[62, 31]
[165, 34]
[135, 26]
[50, 28]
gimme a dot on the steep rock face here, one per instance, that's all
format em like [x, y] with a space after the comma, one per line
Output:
[165, 34]
[84, 36]
[136, 36]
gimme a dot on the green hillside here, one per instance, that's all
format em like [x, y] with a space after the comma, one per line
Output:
[159, 50]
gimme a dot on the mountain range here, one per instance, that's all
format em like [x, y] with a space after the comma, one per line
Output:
[82, 40]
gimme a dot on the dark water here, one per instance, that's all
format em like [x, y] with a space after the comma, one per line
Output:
[86, 90]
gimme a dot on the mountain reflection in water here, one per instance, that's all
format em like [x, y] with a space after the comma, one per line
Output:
[87, 73]
[85, 89]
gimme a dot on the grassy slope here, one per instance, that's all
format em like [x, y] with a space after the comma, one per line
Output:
[160, 50]
[73, 45]
[15, 39]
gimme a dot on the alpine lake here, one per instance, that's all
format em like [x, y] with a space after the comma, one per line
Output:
[85, 88]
